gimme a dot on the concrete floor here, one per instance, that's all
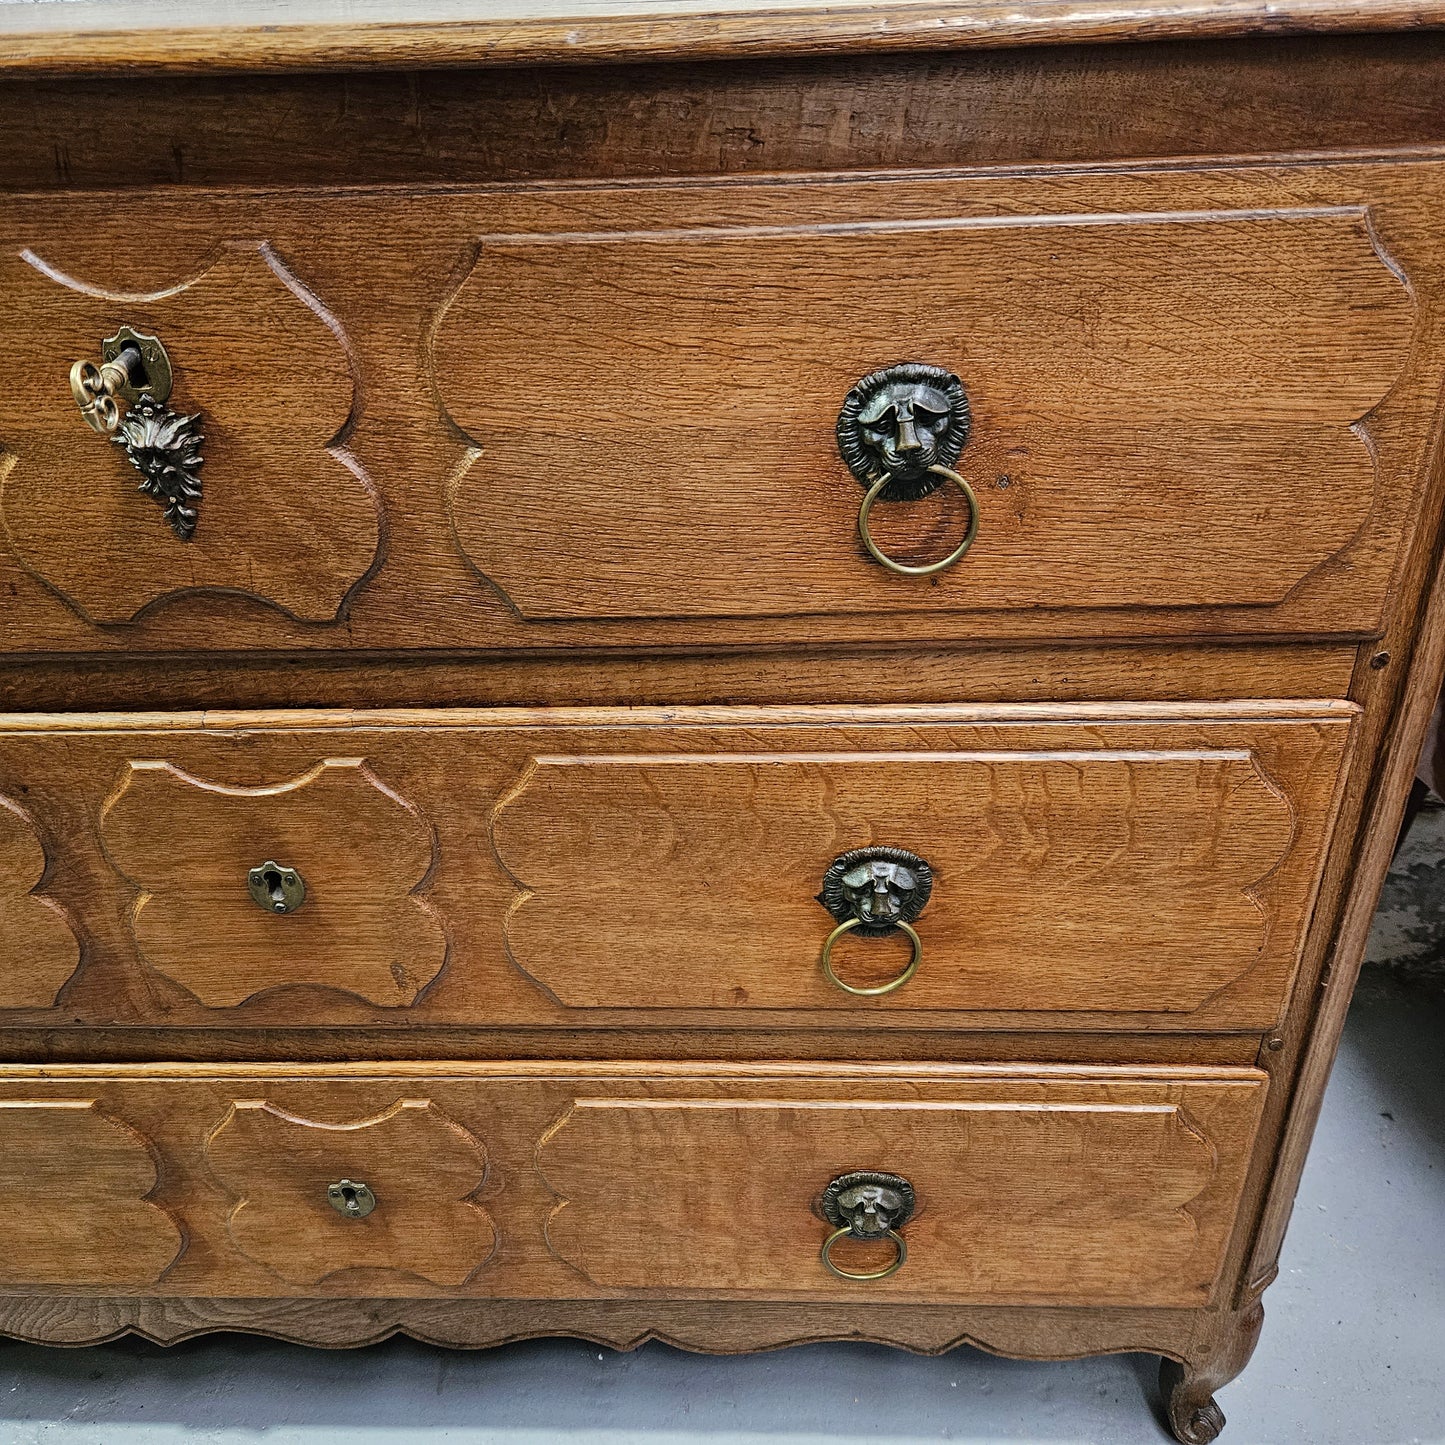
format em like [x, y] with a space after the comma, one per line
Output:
[1353, 1351]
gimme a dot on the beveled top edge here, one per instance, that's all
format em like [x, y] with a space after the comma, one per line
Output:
[90, 37]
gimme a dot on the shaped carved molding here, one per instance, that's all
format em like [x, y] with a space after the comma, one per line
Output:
[1065, 880]
[716, 1326]
[420, 1166]
[73, 1199]
[38, 949]
[287, 517]
[188, 844]
[1187, 360]
[1037, 1196]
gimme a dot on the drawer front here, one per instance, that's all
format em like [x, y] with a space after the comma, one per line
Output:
[999, 1185]
[1179, 403]
[1025, 867]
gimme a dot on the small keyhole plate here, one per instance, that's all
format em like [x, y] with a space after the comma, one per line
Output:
[350, 1198]
[276, 888]
[158, 375]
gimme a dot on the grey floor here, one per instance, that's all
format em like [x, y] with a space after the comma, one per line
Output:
[1353, 1351]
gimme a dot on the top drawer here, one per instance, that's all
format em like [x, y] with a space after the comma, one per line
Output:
[1183, 404]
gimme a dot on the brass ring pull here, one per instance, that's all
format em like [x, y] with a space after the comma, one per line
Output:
[901, 431]
[928, 569]
[900, 1246]
[867, 1204]
[847, 926]
[879, 890]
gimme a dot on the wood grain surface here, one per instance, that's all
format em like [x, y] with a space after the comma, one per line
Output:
[1267, 96]
[166, 36]
[1069, 880]
[1126, 672]
[285, 516]
[1094, 862]
[1101, 450]
[1132, 381]
[185, 844]
[38, 949]
[419, 1165]
[1024, 1331]
[75, 1187]
[722, 1167]
[1024, 1194]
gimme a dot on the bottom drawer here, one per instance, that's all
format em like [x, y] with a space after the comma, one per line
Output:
[1003, 1184]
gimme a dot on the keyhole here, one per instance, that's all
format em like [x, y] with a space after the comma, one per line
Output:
[129, 356]
[272, 881]
[349, 1195]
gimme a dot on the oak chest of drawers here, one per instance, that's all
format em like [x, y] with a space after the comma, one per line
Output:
[740, 675]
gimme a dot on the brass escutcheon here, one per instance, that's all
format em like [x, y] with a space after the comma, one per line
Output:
[875, 891]
[276, 888]
[350, 1198]
[132, 365]
[900, 431]
[867, 1204]
[162, 445]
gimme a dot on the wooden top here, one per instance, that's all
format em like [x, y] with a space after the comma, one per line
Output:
[148, 36]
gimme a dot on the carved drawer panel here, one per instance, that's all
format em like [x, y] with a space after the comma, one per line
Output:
[313, 1199]
[1089, 879]
[1001, 1184]
[1023, 1192]
[1151, 412]
[75, 1206]
[38, 950]
[1078, 867]
[193, 849]
[250, 388]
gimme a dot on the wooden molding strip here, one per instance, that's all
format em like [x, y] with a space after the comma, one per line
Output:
[706, 715]
[219, 36]
[476, 1069]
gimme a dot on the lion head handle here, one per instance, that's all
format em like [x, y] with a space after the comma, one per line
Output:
[868, 1203]
[901, 421]
[879, 886]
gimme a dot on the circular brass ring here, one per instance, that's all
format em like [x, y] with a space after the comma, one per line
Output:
[899, 1243]
[876, 490]
[848, 925]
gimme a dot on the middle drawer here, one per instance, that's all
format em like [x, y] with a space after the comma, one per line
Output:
[1038, 866]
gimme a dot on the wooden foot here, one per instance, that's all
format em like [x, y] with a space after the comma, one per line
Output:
[1188, 1389]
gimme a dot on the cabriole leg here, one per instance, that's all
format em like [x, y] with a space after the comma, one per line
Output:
[1188, 1389]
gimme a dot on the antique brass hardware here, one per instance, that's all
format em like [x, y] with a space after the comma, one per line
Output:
[875, 891]
[276, 888]
[95, 388]
[866, 1204]
[927, 569]
[900, 432]
[161, 444]
[132, 365]
[350, 1198]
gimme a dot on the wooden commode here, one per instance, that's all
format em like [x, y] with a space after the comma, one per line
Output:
[735, 672]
